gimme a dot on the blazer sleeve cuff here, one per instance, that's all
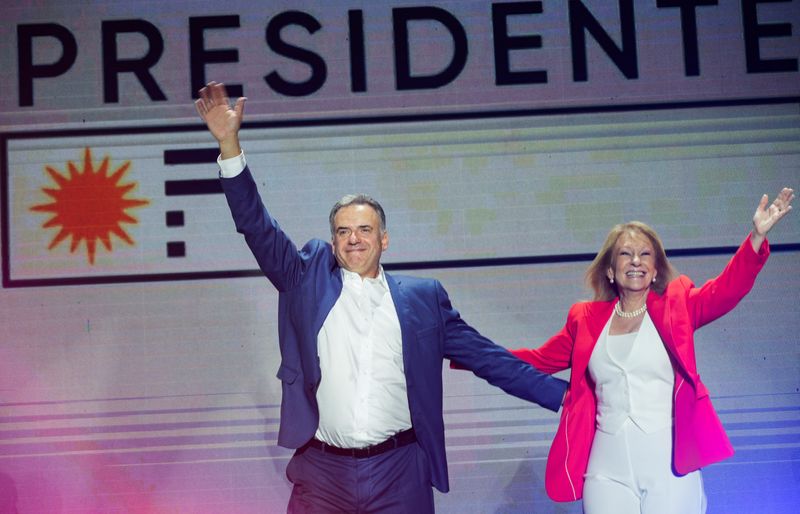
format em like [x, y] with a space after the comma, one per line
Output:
[759, 257]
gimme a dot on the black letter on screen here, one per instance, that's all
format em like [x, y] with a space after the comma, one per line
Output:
[28, 70]
[402, 59]
[319, 71]
[113, 66]
[581, 19]
[358, 64]
[503, 43]
[199, 56]
[753, 31]
[691, 58]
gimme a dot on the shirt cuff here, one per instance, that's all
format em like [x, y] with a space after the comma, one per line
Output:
[229, 168]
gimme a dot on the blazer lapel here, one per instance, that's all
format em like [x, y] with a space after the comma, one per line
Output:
[597, 315]
[405, 317]
[658, 309]
[328, 291]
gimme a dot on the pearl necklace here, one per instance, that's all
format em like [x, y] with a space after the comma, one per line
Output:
[632, 314]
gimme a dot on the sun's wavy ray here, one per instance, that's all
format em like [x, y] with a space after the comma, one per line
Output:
[73, 171]
[74, 245]
[123, 189]
[91, 247]
[106, 239]
[87, 160]
[127, 219]
[134, 202]
[103, 169]
[56, 176]
[50, 207]
[53, 193]
[62, 234]
[120, 172]
[89, 204]
[52, 222]
[122, 235]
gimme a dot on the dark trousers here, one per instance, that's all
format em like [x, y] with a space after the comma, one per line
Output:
[395, 482]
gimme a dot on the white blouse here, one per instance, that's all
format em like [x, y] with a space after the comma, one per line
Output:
[633, 379]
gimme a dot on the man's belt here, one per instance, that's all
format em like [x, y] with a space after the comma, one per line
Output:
[398, 440]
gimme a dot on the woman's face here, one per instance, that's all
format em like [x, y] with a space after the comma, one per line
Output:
[633, 264]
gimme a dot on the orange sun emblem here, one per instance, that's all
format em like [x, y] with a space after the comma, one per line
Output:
[89, 205]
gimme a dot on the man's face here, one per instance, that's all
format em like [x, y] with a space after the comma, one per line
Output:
[357, 239]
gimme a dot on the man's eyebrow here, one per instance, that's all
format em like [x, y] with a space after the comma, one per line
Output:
[344, 227]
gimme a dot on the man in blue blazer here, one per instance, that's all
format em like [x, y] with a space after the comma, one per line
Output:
[361, 350]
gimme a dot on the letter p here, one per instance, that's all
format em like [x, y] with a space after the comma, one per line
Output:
[28, 70]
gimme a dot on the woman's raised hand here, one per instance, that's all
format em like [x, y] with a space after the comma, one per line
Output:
[767, 215]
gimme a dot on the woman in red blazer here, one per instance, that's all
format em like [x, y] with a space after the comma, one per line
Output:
[611, 410]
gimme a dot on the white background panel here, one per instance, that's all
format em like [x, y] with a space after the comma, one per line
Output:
[145, 383]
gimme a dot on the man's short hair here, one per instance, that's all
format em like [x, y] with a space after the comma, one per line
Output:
[359, 199]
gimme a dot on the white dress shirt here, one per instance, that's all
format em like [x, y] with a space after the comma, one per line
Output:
[362, 396]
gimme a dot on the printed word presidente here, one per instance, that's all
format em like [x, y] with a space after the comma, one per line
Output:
[291, 39]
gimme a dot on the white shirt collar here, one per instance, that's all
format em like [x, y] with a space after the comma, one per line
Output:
[380, 280]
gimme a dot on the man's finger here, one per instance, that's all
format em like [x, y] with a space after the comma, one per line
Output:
[218, 94]
[201, 108]
[239, 107]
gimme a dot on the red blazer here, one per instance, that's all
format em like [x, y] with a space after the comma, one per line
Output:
[698, 436]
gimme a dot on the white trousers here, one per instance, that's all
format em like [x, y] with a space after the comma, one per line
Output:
[630, 472]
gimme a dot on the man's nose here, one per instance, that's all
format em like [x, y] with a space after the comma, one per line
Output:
[353, 238]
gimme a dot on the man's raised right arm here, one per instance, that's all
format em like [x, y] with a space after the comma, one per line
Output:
[274, 251]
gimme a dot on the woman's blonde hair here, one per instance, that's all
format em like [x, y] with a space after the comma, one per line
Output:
[596, 277]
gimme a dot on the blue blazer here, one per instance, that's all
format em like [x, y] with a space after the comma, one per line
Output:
[309, 281]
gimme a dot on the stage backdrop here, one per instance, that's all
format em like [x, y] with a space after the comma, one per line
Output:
[138, 342]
